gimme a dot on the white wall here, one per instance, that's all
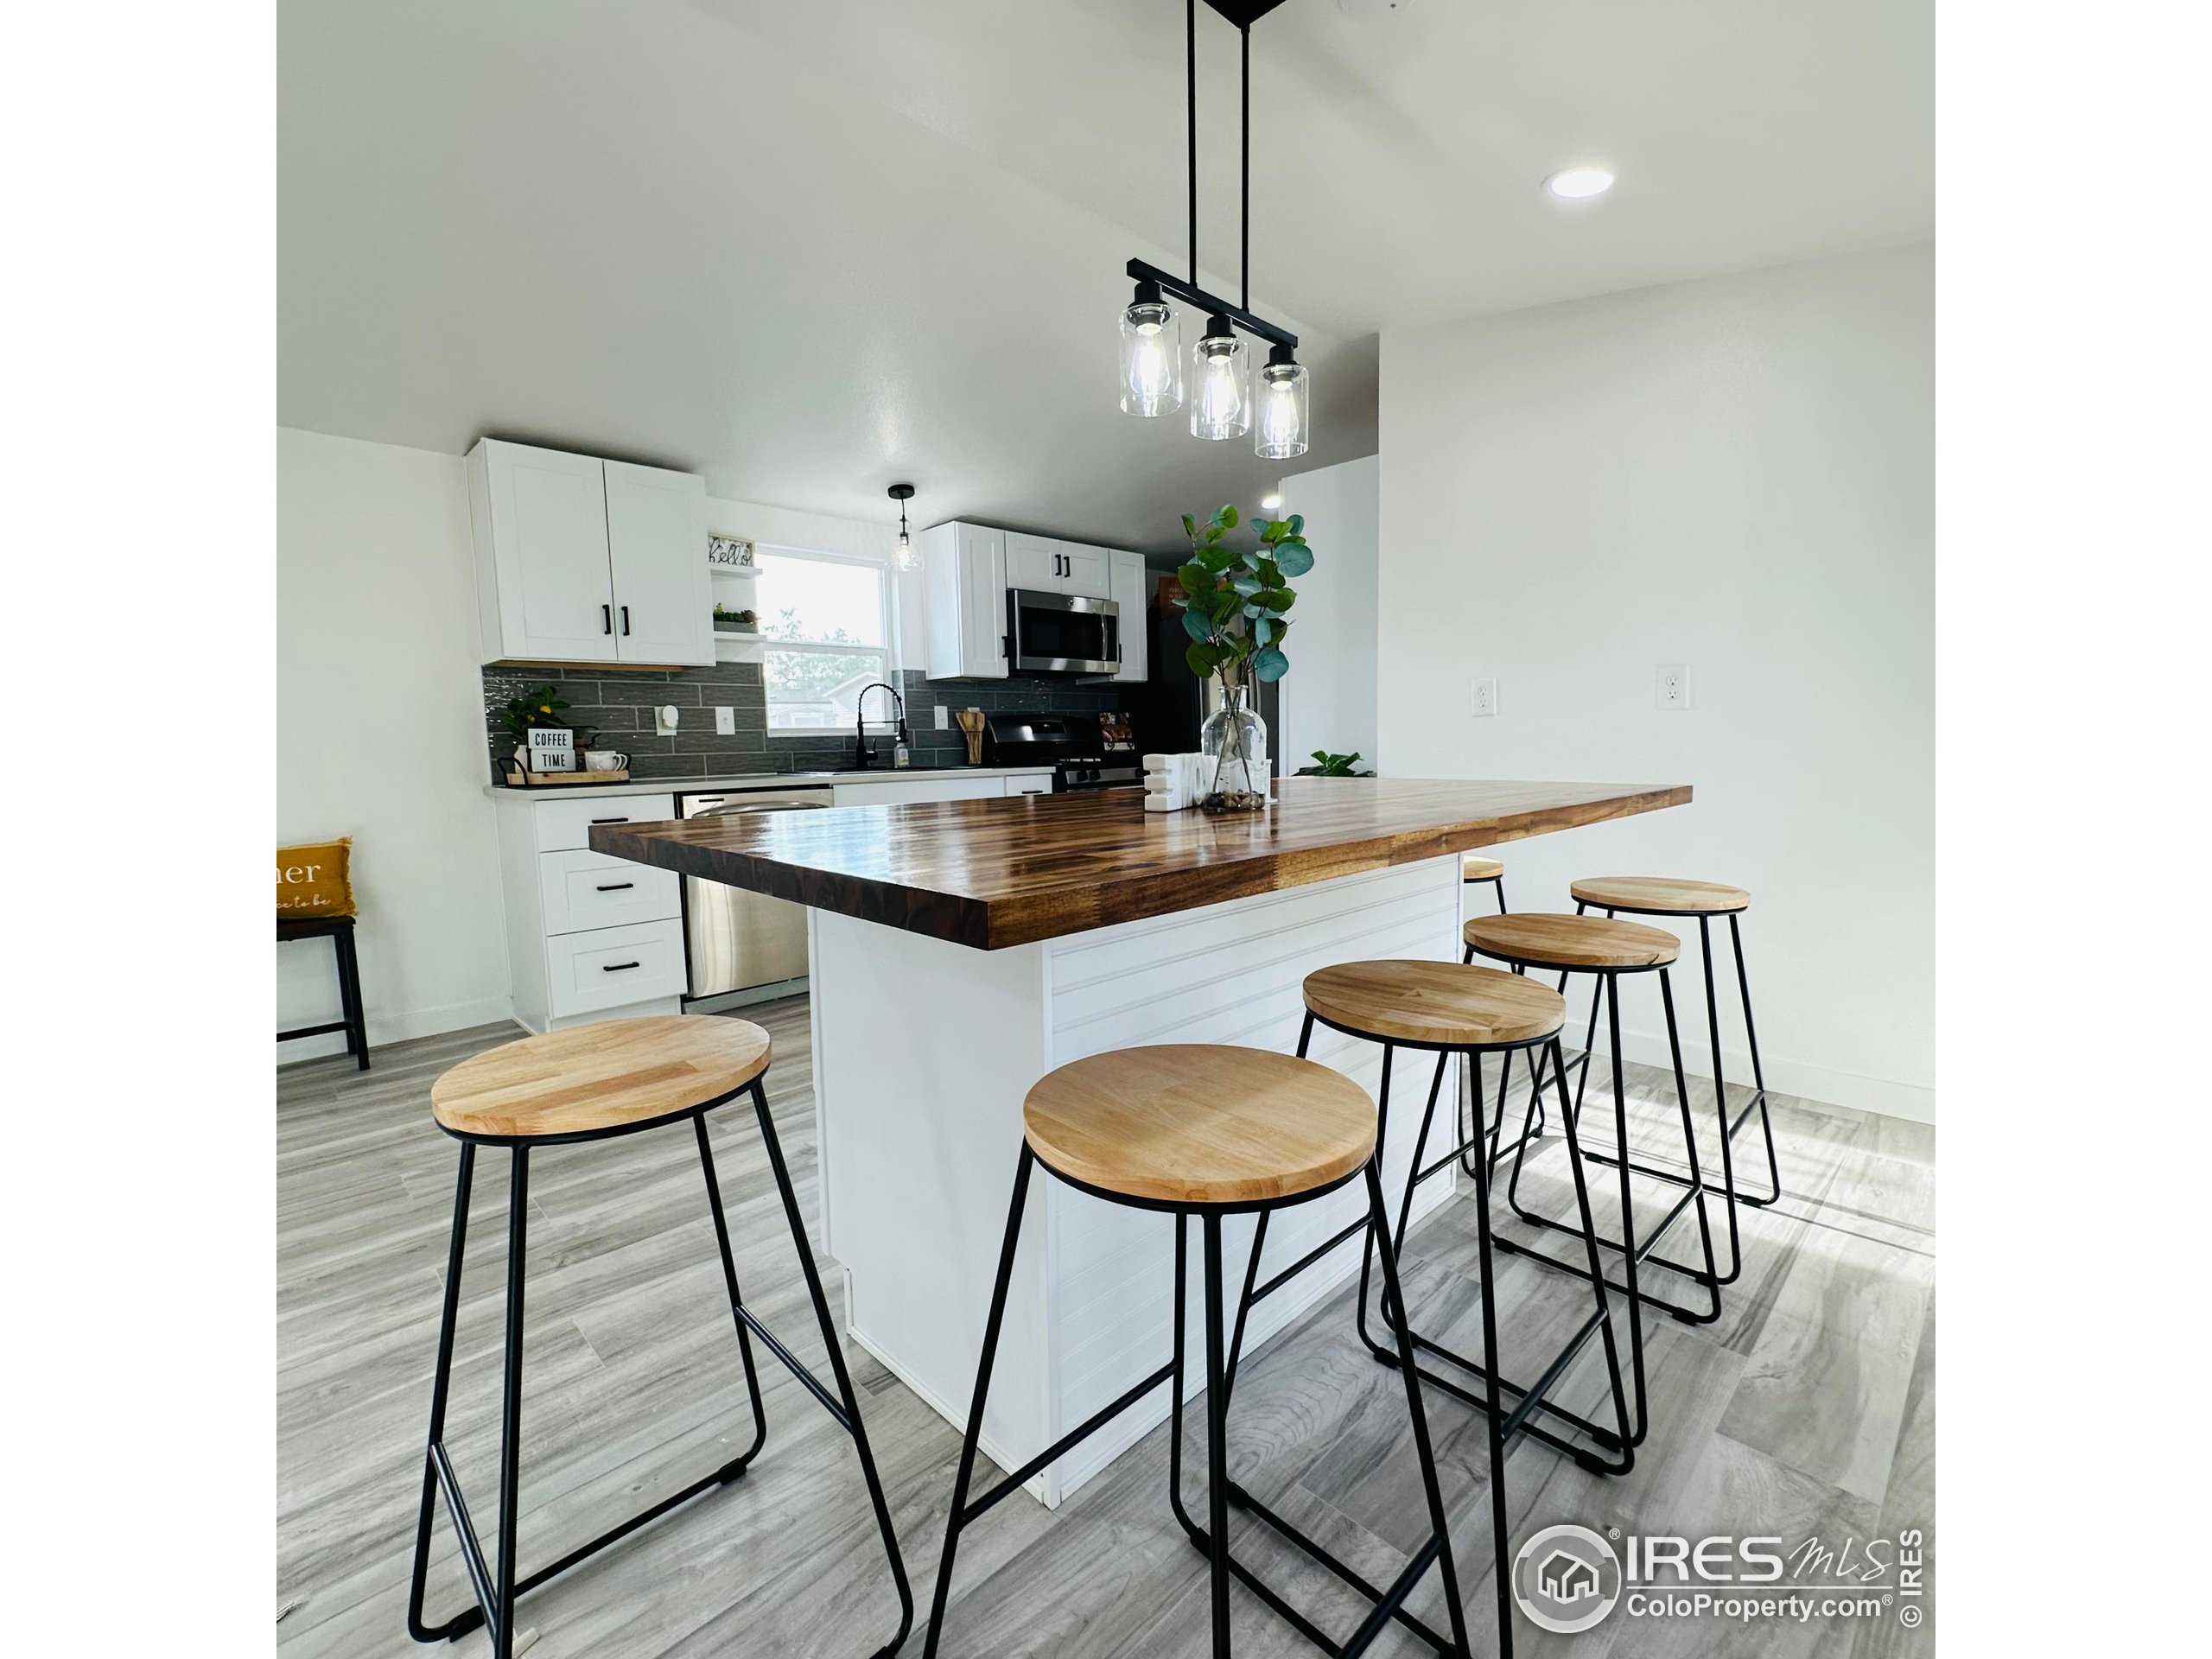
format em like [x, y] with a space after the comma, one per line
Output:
[380, 722]
[1734, 474]
[380, 734]
[1328, 697]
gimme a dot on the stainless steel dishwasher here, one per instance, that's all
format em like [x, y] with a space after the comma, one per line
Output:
[739, 944]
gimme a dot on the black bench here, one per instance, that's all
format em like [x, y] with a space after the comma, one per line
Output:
[352, 1021]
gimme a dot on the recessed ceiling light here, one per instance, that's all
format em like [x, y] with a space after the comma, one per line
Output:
[1269, 503]
[1579, 183]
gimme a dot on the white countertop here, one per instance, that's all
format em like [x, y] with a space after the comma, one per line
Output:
[732, 781]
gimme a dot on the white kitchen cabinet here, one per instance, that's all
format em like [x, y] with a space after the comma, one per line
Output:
[580, 560]
[964, 576]
[1030, 784]
[1043, 565]
[1085, 570]
[1127, 582]
[545, 591]
[656, 549]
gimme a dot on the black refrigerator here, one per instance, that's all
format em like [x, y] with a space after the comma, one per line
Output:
[1176, 701]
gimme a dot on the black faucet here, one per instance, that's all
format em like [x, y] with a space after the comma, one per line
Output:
[861, 759]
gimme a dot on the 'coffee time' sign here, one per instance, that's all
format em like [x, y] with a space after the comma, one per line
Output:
[552, 749]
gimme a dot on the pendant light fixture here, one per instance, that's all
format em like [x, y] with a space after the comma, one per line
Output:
[1221, 395]
[903, 557]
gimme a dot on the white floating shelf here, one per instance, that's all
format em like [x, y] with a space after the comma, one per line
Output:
[737, 647]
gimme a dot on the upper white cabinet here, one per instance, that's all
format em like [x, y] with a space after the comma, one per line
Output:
[1126, 580]
[657, 547]
[964, 574]
[1043, 565]
[588, 561]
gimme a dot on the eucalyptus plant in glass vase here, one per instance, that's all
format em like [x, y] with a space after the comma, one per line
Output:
[1235, 607]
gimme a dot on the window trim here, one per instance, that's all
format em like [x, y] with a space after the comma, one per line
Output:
[888, 600]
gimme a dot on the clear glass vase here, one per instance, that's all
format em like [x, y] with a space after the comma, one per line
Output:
[1237, 739]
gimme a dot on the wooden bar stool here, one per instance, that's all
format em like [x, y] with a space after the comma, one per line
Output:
[1205, 1131]
[1656, 895]
[594, 1083]
[1608, 949]
[351, 1019]
[1475, 870]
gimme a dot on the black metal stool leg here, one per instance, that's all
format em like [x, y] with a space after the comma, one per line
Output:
[1440, 1543]
[1758, 1071]
[1493, 1419]
[830, 1340]
[1712, 1277]
[1720, 1101]
[349, 999]
[502, 1631]
[441, 1380]
[736, 1467]
[1216, 1441]
[991, 1327]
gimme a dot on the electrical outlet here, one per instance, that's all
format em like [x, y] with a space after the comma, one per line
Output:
[1673, 685]
[725, 722]
[665, 720]
[944, 718]
[1485, 698]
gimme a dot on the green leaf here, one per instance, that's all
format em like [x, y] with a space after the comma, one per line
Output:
[1189, 525]
[1271, 664]
[1294, 559]
[1262, 631]
[1197, 625]
[1247, 585]
[1278, 599]
[1297, 522]
[1227, 518]
[1195, 578]
[1204, 659]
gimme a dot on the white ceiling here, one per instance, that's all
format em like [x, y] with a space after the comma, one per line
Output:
[810, 249]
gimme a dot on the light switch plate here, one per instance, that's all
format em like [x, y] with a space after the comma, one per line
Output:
[1484, 702]
[725, 722]
[1673, 688]
[944, 718]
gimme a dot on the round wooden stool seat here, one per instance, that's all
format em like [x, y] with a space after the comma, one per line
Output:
[1441, 1004]
[1661, 895]
[1198, 1123]
[1472, 868]
[1543, 941]
[594, 1079]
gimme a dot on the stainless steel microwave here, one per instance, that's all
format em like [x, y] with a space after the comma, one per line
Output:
[1062, 633]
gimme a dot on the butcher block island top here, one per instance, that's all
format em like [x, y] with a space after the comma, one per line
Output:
[992, 874]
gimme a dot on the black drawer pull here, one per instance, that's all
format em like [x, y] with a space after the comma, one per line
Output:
[610, 820]
[617, 887]
[615, 968]
[606, 619]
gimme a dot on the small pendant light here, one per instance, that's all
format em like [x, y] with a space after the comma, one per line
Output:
[1221, 404]
[1282, 407]
[1152, 355]
[903, 557]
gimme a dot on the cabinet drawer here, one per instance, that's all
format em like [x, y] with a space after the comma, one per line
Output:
[610, 967]
[1029, 785]
[564, 826]
[583, 890]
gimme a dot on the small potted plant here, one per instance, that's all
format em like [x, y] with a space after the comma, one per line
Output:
[537, 710]
[1334, 765]
[736, 622]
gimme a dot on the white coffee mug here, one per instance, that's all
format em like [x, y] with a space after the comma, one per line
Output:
[605, 761]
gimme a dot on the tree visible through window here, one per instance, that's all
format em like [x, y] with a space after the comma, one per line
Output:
[825, 626]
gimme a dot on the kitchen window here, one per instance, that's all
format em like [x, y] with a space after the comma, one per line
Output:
[825, 628]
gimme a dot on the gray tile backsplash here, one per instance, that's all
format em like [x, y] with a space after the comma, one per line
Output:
[618, 707]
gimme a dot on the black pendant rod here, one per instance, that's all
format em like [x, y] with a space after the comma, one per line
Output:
[1190, 119]
[1210, 304]
[1244, 167]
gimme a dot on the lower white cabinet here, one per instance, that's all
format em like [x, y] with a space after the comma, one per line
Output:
[588, 937]
[610, 970]
[927, 786]
[584, 890]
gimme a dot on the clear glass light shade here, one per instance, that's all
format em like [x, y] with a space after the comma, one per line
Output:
[904, 555]
[1283, 422]
[1221, 400]
[1152, 360]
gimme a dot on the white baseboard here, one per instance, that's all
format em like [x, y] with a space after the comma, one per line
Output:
[1035, 1485]
[1819, 1084]
[386, 1027]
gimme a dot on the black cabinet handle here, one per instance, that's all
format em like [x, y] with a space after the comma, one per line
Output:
[616, 967]
[606, 619]
[616, 886]
[610, 820]
[626, 622]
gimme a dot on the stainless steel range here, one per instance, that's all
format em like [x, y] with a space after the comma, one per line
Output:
[1080, 753]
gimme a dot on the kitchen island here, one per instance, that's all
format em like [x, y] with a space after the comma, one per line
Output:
[959, 950]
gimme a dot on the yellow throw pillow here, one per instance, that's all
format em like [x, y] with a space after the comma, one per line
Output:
[313, 880]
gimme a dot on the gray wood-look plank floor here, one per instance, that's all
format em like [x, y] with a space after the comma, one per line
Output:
[1807, 1409]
